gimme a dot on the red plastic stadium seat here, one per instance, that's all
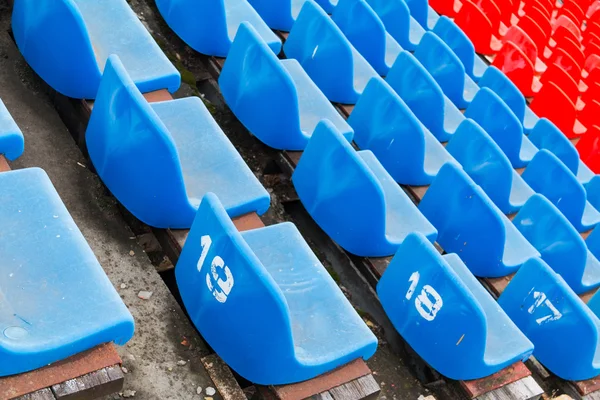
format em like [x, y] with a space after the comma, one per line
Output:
[571, 9]
[552, 103]
[517, 36]
[478, 27]
[517, 66]
[535, 32]
[590, 115]
[557, 74]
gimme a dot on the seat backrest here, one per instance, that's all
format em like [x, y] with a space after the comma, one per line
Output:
[559, 75]
[124, 133]
[467, 221]
[564, 22]
[589, 115]
[548, 101]
[433, 309]
[500, 84]
[567, 63]
[418, 89]
[547, 175]
[35, 38]
[395, 15]
[331, 175]
[562, 34]
[592, 62]
[362, 27]
[211, 22]
[252, 80]
[563, 330]
[545, 135]
[491, 11]
[558, 242]
[546, 6]
[419, 10]
[483, 160]
[573, 48]
[571, 9]
[515, 65]
[494, 116]
[476, 25]
[456, 39]
[223, 284]
[523, 41]
[384, 124]
[445, 67]
[276, 14]
[322, 50]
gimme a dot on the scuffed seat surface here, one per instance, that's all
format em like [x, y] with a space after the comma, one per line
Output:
[209, 161]
[325, 327]
[55, 299]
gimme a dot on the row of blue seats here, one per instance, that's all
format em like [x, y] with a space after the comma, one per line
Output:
[55, 298]
[171, 165]
[391, 222]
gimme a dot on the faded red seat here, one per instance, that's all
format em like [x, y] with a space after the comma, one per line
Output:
[552, 103]
[478, 27]
[589, 148]
[565, 23]
[518, 36]
[516, 66]
[595, 6]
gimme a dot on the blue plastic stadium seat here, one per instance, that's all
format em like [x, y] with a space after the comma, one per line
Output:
[562, 328]
[327, 5]
[67, 43]
[327, 56]
[363, 28]
[56, 299]
[447, 69]
[274, 99]
[494, 116]
[353, 199]
[592, 189]
[422, 12]
[483, 160]
[549, 176]
[423, 95]
[160, 159]
[461, 45]
[470, 225]
[545, 135]
[446, 315]
[209, 26]
[278, 14]
[384, 124]
[499, 83]
[307, 326]
[12, 142]
[560, 245]
[396, 17]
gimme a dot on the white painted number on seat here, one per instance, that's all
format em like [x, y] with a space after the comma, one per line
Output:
[539, 299]
[219, 287]
[429, 302]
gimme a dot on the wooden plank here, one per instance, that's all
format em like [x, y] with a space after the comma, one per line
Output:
[346, 374]
[362, 388]
[478, 387]
[526, 388]
[78, 365]
[93, 385]
[44, 394]
[223, 378]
